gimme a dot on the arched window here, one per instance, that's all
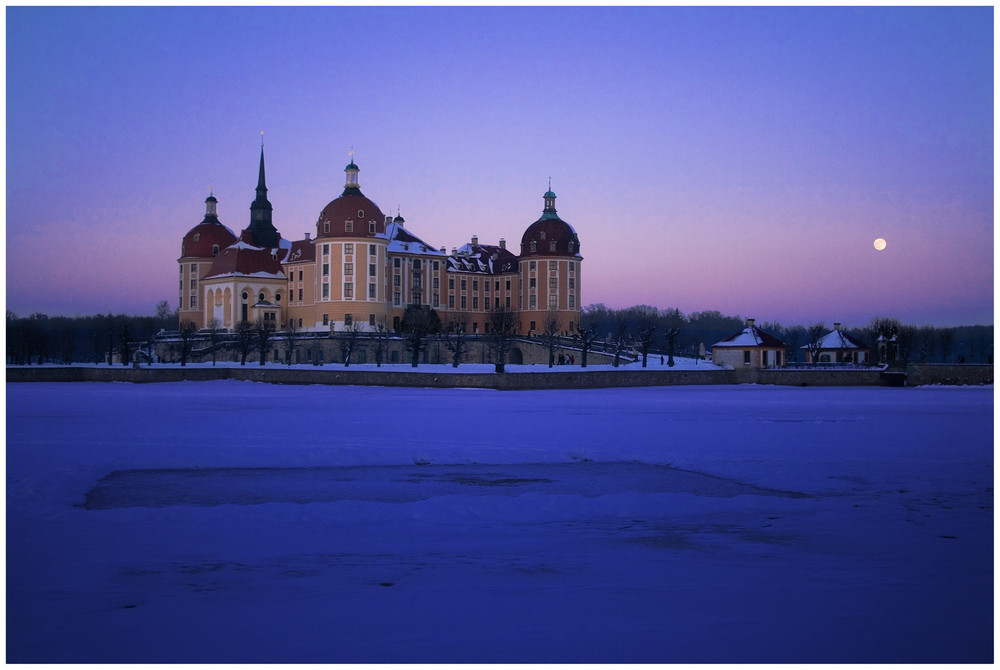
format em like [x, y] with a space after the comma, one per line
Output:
[215, 249]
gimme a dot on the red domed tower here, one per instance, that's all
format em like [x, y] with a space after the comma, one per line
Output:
[351, 258]
[549, 267]
[199, 247]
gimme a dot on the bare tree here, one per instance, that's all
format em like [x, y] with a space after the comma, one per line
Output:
[672, 322]
[187, 333]
[621, 340]
[550, 334]
[292, 337]
[905, 340]
[587, 336]
[645, 329]
[214, 335]
[126, 350]
[816, 333]
[502, 322]
[418, 323]
[245, 335]
[380, 340]
[263, 330]
[456, 340]
[348, 340]
[885, 329]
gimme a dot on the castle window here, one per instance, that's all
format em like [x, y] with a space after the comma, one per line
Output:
[553, 283]
[361, 213]
[349, 248]
[326, 291]
[326, 269]
[395, 263]
[395, 298]
[531, 266]
[541, 234]
[553, 301]
[349, 269]
[395, 280]
[215, 249]
[300, 295]
[531, 305]
[451, 284]
[532, 246]
[260, 297]
[194, 302]
[475, 302]
[326, 319]
[326, 249]
[371, 291]
[348, 290]
[463, 284]
[463, 302]
[371, 249]
[552, 246]
[348, 320]
[197, 236]
[277, 297]
[245, 296]
[531, 283]
[349, 226]
[371, 269]
[326, 229]
[300, 275]
[371, 226]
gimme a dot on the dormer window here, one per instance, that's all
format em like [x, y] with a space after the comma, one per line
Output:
[552, 246]
[541, 234]
[533, 246]
[197, 236]
[361, 213]
[215, 249]
[349, 226]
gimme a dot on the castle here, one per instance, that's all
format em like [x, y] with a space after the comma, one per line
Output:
[364, 268]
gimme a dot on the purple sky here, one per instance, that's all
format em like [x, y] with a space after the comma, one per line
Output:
[733, 159]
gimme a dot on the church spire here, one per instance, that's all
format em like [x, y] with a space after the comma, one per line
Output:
[264, 232]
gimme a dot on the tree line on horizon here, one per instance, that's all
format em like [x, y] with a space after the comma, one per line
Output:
[38, 338]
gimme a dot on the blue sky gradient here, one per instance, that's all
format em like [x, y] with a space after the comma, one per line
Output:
[740, 159]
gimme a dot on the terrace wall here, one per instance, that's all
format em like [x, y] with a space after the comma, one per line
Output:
[555, 379]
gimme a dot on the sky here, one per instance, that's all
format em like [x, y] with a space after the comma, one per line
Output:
[739, 159]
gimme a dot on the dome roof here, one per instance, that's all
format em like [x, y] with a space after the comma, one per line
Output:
[200, 240]
[350, 215]
[550, 235]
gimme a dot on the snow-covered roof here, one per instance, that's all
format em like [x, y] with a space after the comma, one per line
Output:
[482, 259]
[751, 336]
[402, 241]
[838, 339]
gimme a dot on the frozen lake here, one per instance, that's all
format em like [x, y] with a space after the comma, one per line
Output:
[240, 522]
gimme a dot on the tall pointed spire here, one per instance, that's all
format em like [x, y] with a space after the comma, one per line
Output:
[264, 232]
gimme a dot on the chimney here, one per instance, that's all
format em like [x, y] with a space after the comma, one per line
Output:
[503, 243]
[307, 237]
[454, 251]
[475, 240]
[750, 323]
[443, 251]
[388, 220]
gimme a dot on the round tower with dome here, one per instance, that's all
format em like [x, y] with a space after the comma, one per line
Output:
[199, 247]
[549, 270]
[351, 260]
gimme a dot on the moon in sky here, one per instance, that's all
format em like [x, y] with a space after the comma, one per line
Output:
[879, 244]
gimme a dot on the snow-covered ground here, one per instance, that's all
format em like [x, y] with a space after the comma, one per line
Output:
[244, 522]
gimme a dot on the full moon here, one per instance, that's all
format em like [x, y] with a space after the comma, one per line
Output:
[879, 244]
